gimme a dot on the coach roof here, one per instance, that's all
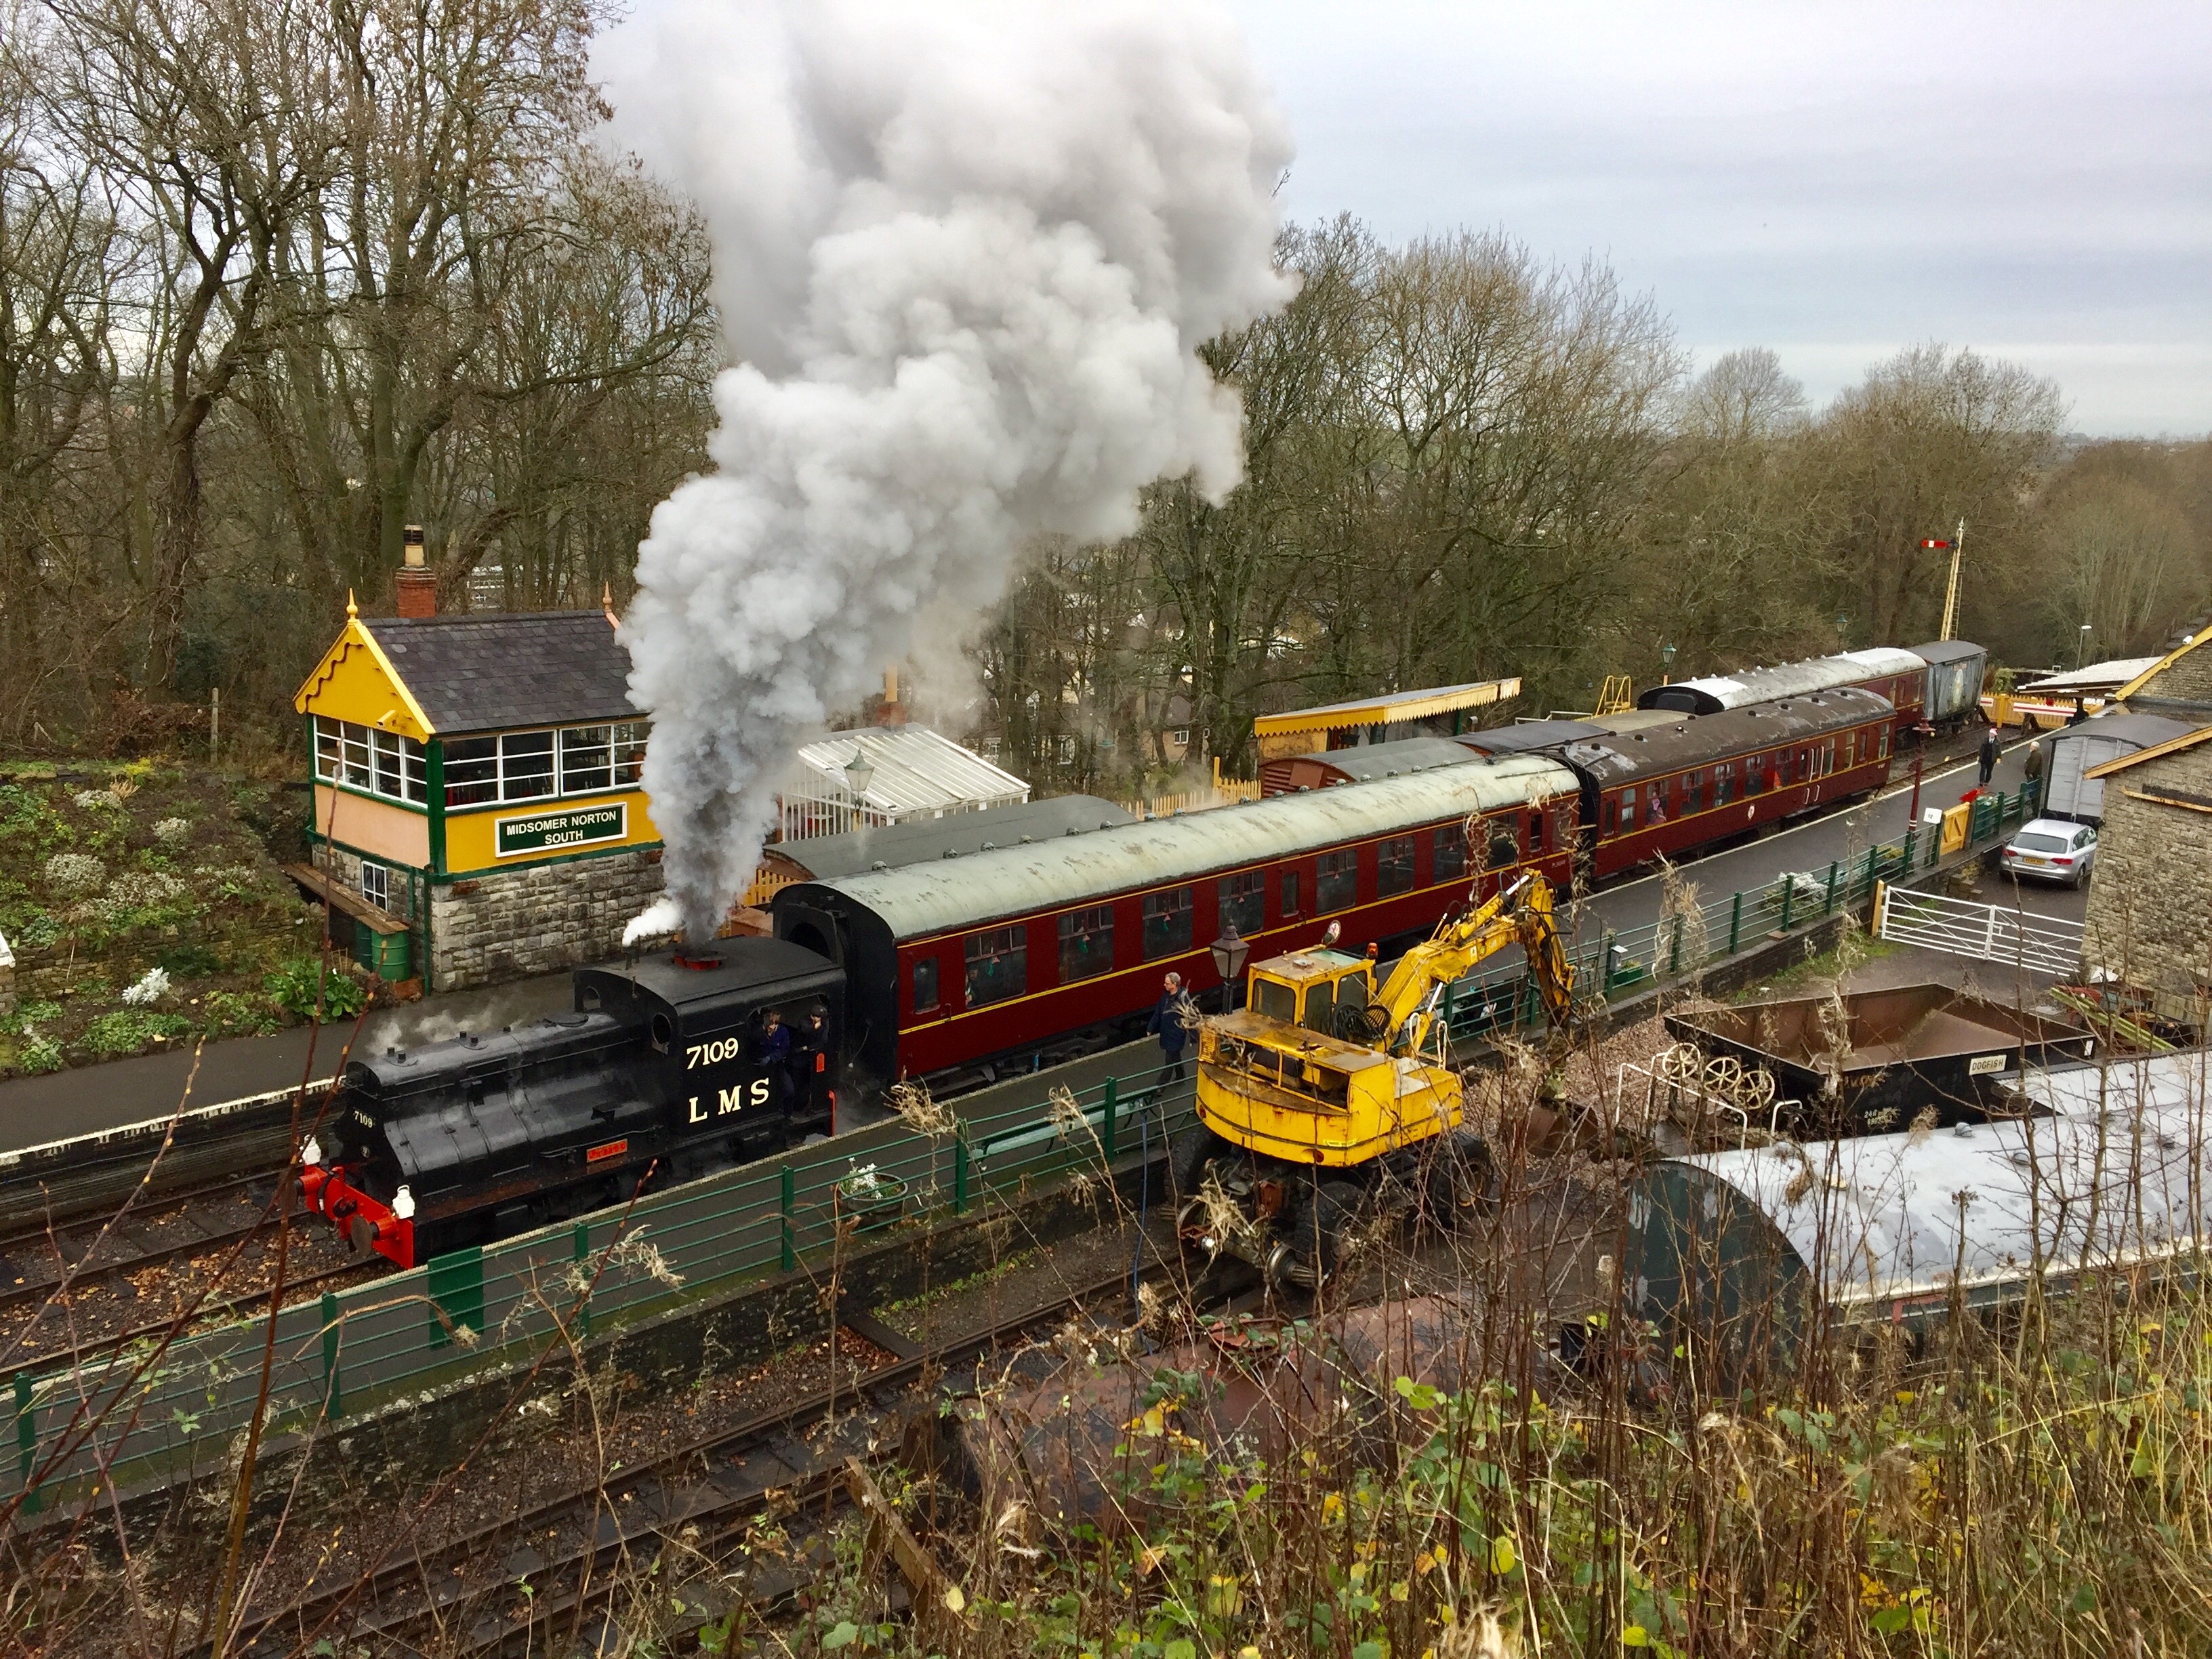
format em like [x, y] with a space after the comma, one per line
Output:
[953, 894]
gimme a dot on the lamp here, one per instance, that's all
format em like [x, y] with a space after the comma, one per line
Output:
[1666, 663]
[2081, 652]
[858, 775]
[1230, 952]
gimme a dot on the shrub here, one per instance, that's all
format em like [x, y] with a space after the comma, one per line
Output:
[149, 990]
[293, 988]
[172, 832]
[228, 1014]
[127, 1030]
[76, 872]
[41, 1053]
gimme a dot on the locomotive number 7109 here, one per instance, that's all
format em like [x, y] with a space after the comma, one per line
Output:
[712, 1054]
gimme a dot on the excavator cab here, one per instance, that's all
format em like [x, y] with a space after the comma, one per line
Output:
[1321, 991]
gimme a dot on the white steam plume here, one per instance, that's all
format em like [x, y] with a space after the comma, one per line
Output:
[964, 256]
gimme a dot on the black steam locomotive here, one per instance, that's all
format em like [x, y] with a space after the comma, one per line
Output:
[674, 1066]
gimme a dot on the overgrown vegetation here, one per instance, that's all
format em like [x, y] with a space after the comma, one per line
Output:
[2036, 1487]
[145, 907]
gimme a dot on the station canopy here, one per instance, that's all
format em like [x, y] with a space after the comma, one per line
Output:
[2098, 679]
[1304, 731]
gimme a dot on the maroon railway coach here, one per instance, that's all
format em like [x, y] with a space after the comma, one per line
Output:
[1011, 951]
[1676, 788]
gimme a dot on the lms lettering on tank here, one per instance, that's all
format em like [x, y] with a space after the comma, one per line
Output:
[735, 1098]
[541, 831]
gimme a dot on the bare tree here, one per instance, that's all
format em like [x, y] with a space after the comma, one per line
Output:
[193, 109]
[1931, 437]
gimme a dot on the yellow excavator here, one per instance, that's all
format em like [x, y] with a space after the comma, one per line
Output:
[1324, 1100]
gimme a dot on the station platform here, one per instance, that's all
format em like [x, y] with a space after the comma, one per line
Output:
[90, 1099]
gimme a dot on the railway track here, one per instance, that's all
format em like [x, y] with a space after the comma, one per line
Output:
[71, 1293]
[571, 1548]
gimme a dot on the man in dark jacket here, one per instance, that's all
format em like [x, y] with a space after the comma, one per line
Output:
[1989, 755]
[1173, 1016]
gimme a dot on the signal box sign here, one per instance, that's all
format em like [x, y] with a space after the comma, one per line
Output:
[555, 832]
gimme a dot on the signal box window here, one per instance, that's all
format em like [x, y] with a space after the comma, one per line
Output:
[1290, 897]
[1167, 923]
[526, 765]
[1086, 944]
[1242, 900]
[925, 984]
[1337, 887]
[1449, 859]
[998, 964]
[1394, 866]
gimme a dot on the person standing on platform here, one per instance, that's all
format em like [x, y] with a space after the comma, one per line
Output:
[1173, 1016]
[1989, 755]
[2033, 768]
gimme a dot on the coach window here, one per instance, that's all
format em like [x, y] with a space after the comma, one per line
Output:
[925, 984]
[1723, 781]
[1394, 866]
[1693, 792]
[1504, 849]
[1447, 858]
[1167, 923]
[1337, 887]
[1086, 944]
[1883, 752]
[1612, 815]
[1628, 809]
[1242, 900]
[1291, 898]
[998, 964]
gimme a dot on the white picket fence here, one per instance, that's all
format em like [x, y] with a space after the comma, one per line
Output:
[1988, 933]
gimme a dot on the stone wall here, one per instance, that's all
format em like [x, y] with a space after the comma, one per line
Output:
[7, 978]
[2183, 687]
[2150, 899]
[538, 918]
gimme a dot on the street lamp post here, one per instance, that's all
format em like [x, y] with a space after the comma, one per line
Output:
[2081, 651]
[1666, 665]
[858, 775]
[1230, 952]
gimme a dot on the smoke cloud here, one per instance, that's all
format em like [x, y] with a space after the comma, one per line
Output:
[964, 256]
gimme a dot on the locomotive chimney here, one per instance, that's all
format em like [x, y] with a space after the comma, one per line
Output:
[893, 711]
[414, 586]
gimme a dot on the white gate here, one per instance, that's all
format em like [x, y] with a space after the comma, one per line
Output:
[1990, 932]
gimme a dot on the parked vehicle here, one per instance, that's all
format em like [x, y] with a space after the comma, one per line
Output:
[2051, 849]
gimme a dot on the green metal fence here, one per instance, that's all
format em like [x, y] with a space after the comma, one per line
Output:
[137, 1415]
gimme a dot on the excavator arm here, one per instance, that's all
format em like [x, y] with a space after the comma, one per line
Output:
[1406, 1007]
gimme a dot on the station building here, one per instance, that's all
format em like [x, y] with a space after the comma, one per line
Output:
[477, 813]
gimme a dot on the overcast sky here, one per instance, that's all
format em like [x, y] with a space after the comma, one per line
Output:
[1834, 180]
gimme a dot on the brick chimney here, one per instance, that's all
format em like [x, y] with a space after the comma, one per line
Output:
[414, 586]
[891, 711]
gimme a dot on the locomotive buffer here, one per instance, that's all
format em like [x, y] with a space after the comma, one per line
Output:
[1323, 1099]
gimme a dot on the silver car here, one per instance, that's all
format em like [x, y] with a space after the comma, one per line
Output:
[2051, 849]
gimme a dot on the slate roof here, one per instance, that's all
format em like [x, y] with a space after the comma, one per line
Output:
[500, 673]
